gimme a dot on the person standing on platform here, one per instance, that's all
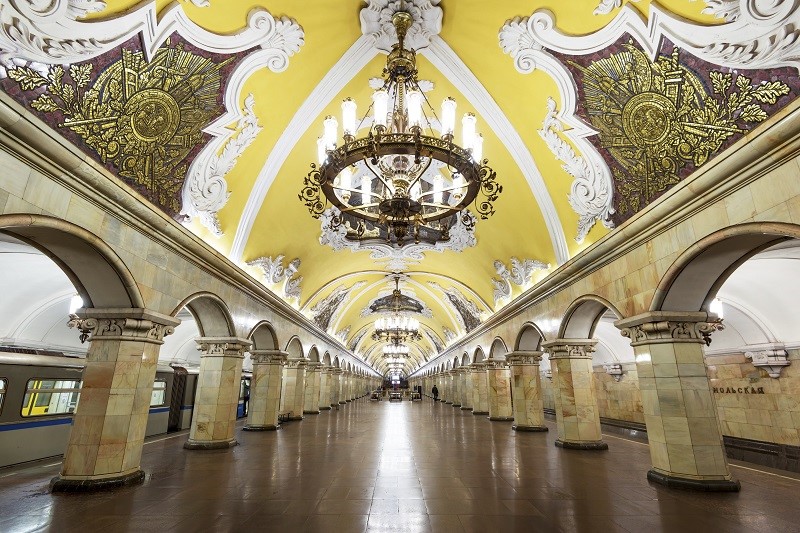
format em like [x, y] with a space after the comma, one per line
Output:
[435, 393]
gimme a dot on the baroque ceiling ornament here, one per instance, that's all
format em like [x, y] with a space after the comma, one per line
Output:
[376, 21]
[591, 195]
[657, 118]
[275, 273]
[141, 117]
[205, 191]
[45, 32]
[468, 315]
[395, 259]
[519, 274]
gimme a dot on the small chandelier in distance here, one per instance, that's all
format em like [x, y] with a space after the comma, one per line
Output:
[393, 351]
[399, 194]
[397, 328]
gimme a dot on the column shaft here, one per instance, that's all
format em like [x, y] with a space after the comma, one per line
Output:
[325, 388]
[466, 392]
[526, 391]
[265, 390]
[311, 400]
[499, 380]
[480, 389]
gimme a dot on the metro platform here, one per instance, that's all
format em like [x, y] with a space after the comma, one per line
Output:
[413, 467]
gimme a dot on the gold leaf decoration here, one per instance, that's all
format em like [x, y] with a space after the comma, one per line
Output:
[143, 118]
[657, 118]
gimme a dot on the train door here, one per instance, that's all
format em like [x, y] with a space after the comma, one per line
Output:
[176, 399]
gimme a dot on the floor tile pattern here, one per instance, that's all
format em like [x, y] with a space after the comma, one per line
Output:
[421, 467]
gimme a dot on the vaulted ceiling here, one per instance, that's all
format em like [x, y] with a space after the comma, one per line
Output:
[318, 53]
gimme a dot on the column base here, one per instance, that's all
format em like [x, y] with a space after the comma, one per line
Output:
[480, 412]
[269, 427]
[342, 403]
[295, 417]
[61, 484]
[348, 401]
[466, 408]
[705, 485]
[501, 418]
[538, 429]
[325, 408]
[449, 402]
[209, 445]
[456, 405]
[588, 445]
[310, 412]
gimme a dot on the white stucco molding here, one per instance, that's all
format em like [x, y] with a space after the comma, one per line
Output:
[51, 32]
[376, 21]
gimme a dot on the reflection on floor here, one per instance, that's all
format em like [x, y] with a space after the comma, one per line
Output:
[397, 467]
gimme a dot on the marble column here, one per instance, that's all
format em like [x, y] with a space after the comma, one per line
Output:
[577, 415]
[311, 401]
[480, 389]
[217, 396]
[456, 381]
[466, 392]
[680, 411]
[448, 378]
[335, 386]
[526, 391]
[293, 394]
[325, 388]
[499, 379]
[343, 387]
[105, 442]
[265, 390]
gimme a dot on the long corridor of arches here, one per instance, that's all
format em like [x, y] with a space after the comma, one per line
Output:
[409, 466]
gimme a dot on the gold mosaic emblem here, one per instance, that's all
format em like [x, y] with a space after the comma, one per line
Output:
[656, 118]
[142, 117]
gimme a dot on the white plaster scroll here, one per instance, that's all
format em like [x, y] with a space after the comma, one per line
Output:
[205, 190]
[607, 6]
[591, 194]
[275, 273]
[519, 274]
[50, 31]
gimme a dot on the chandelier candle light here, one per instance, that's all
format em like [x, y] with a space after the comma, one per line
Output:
[402, 177]
[397, 328]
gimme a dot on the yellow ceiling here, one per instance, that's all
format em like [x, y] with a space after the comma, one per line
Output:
[284, 227]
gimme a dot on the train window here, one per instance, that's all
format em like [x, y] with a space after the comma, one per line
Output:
[2, 393]
[159, 395]
[244, 389]
[51, 397]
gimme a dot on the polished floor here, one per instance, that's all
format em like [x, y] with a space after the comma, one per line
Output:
[397, 467]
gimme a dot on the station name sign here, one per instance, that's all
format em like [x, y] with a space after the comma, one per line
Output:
[738, 390]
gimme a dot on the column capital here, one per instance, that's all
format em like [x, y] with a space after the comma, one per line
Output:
[478, 367]
[222, 346]
[123, 324]
[570, 348]
[296, 363]
[496, 363]
[520, 358]
[268, 357]
[658, 327]
[336, 370]
[313, 366]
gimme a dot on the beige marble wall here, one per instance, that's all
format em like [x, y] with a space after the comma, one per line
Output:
[265, 389]
[619, 400]
[312, 386]
[498, 377]
[526, 391]
[217, 397]
[480, 389]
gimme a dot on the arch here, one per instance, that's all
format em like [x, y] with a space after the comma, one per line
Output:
[529, 339]
[498, 349]
[313, 354]
[456, 363]
[465, 359]
[98, 274]
[695, 277]
[337, 363]
[211, 314]
[264, 337]
[448, 366]
[326, 359]
[582, 316]
[294, 348]
[479, 356]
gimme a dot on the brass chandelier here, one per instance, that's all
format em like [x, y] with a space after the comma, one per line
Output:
[396, 351]
[397, 328]
[402, 181]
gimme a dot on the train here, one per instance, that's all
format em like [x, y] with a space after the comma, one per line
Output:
[40, 391]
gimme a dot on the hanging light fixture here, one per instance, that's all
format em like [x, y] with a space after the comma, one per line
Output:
[403, 178]
[397, 328]
[394, 351]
